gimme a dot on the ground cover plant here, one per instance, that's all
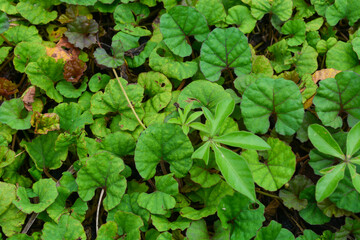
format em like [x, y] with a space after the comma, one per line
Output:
[179, 119]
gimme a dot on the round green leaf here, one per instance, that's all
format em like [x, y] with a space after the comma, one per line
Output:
[278, 167]
[98, 81]
[236, 212]
[4, 22]
[163, 224]
[349, 59]
[163, 142]
[241, 17]
[42, 151]
[114, 61]
[71, 116]
[44, 189]
[296, 29]
[128, 224]
[102, 171]
[119, 143]
[281, 8]
[37, 11]
[21, 33]
[7, 156]
[178, 24]
[272, 96]
[67, 228]
[13, 114]
[306, 62]
[213, 10]
[349, 9]
[334, 97]
[203, 176]
[225, 49]
[156, 202]
[274, 231]
[203, 94]
[281, 56]
[26, 52]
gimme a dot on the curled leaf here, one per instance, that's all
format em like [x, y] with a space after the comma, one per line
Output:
[46, 122]
[7, 87]
[82, 32]
[73, 70]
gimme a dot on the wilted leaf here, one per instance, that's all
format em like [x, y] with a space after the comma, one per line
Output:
[46, 122]
[73, 70]
[7, 87]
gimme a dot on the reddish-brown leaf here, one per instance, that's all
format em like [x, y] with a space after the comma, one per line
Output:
[73, 70]
[28, 98]
[7, 87]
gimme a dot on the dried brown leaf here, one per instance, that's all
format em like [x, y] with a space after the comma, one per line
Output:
[28, 98]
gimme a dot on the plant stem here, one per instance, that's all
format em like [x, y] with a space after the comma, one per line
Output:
[128, 100]
[163, 168]
[6, 40]
[268, 194]
[49, 175]
[98, 209]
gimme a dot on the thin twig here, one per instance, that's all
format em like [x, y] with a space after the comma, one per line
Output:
[98, 209]
[19, 153]
[6, 40]
[163, 168]
[128, 100]
[268, 194]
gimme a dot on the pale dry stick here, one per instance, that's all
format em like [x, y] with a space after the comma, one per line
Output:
[128, 100]
[35, 215]
[98, 210]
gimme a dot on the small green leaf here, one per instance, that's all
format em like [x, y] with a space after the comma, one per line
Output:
[98, 81]
[353, 141]
[274, 231]
[213, 10]
[44, 189]
[241, 17]
[235, 212]
[107, 231]
[349, 9]
[236, 171]
[267, 96]
[323, 141]
[281, 56]
[178, 24]
[13, 114]
[156, 202]
[355, 177]
[21, 33]
[71, 117]
[345, 195]
[128, 225]
[119, 143]
[243, 139]
[278, 167]
[114, 61]
[225, 49]
[42, 151]
[281, 8]
[163, 142]
[7, 156]
[203, 176]
[328, 183]
[306, 60]
[67, 228]
[198, 230]
[296, 29]
[102, 171]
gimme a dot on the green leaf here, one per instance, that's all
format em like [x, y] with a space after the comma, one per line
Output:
[281, 8]
[44, 189]
[296, 29]
[113, 100]
[198, 230]
[236, 171]
[119, 143]
[328, 183]
[312, 214]
[163, 142]
[355, 177]
[351, 228]
[80, 2]
[44, 74]
[12, 174]
[4, 22]
[260, 66]
[67, 228]
[278, 168]
[21, 33]
[102, 170]
[281, 56]
[235, 212]
[71, 117]
[178, 24]
[4, 52]
[107, 231]
[243, 139]
[8, 6]
[114, 61]
[349, 9]
[202, 94]
[98, 81]
[156, 202]
[349, 59]
[241, 17]
[334, 97]
[42, 151]
[13, 114]
[203, 177]
[345, 195]
[213, 10]
[37, 11]
[274, 231]
[82, 32]
[128, 225]
[308, 235]
[7, 156]
[162, 224]
[272, 96]
[26, 52]
[225, 49]
[353, 141]
[290, 195]
[323, 141]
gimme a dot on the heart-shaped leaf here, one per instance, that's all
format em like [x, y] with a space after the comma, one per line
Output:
[349, 9]
[274, 231]
[13, 114]
[272, 96]
[114, 61]
[225, 49]
[335, 97]
[37, 12]
[213, 10]
[163, 142]
[349, 59]
[281, 8]
[67, 228]
[178, 25]
[241, 17]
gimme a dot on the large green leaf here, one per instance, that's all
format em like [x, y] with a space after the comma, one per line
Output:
[349, 59]
[323, 141]
[235, 212]
[13, 114]
[119, 143]
[269, 96]
[156, 202]
[353, 141]
[178, 24]
[274, 231]
[328, 183]
[225, 49]
[128, 224]
[213, 10]
[102, 170]
[163, 142]
[67, 228]
[21, 33]
[243, 139]
[349, 9]
[334, 96]
[37, 12]
[281, 8]
[236, 171]
[71, 116]
[113, 100]
[44, 189]
[278, 168]
[44, 73]
[26, 52]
